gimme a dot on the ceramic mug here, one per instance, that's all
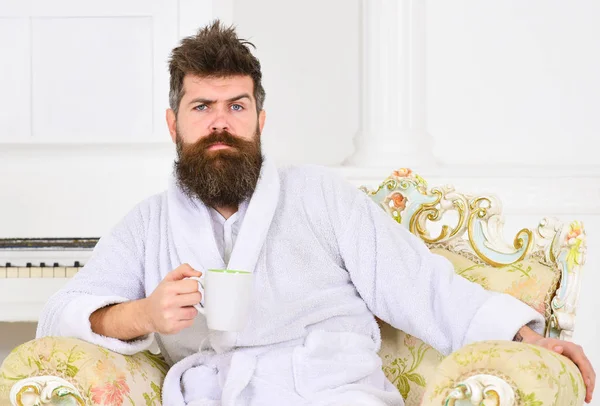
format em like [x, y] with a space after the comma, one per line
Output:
[227, 298]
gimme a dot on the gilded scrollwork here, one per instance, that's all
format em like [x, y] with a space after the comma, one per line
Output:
[44, 390]
[473, 226]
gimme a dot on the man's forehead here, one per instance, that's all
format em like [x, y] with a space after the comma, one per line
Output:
[216, 87]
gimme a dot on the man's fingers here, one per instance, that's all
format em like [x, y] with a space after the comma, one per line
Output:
[588, 394]
[182, 271]
[590, 385]
[577, 355]
[184, 286]
[187, 314]
[188, 299]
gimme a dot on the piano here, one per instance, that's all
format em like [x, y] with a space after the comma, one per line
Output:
[32, 269]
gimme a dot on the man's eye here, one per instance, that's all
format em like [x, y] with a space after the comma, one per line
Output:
[200, 107]
[237, 107]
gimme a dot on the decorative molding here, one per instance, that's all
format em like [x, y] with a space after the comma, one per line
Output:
[478, 226]
[568, 249]
[43, 390]
[477, 231]
[393, 119]
[478, 389]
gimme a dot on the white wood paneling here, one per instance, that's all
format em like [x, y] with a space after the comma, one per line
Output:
[22, 299]
[98, 70]
[67, 191]
[95, 85]
[15, 78]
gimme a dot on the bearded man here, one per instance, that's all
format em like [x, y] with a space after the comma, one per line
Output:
[325, 261]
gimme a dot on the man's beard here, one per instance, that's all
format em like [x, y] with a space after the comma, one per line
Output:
[223, 177]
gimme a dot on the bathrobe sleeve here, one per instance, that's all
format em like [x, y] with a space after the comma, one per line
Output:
[114, 274]
[410, 288]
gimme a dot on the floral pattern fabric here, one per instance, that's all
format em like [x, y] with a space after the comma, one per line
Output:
[407, 362]
[101, 376]
[538, 377]
[530, 281]
[410, 364]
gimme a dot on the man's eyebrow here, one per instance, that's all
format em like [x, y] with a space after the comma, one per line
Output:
[201, 100]
[241, 96]
[207, 101]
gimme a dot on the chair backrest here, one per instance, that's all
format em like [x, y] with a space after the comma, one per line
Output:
[476, 233]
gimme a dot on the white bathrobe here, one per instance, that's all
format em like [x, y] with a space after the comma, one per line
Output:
[325, 259]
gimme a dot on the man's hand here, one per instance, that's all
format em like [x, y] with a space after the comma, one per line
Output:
[169, 309]
[570, 350]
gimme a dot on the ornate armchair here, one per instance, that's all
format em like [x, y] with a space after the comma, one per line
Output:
[542, 267]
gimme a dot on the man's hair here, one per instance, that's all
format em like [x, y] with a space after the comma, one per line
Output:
[216, 52]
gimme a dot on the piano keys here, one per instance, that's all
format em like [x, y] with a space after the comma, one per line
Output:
[44, 257]
[38, 272]
[33, 269]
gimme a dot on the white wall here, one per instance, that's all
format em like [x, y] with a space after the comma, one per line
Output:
[507, 92]
[309, 51]
[520, 76]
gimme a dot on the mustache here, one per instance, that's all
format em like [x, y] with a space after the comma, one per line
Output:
[219, 137]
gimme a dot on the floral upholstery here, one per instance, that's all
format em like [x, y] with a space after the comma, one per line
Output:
[101, 376]
[538, 376]
[409, 363]
[530, 281]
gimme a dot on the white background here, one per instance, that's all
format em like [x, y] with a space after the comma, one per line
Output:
[497, 96]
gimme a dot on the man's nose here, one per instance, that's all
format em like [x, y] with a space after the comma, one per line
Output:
[220, 122]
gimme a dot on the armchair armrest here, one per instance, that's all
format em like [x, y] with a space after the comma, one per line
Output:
[68, 368]
[505, 373]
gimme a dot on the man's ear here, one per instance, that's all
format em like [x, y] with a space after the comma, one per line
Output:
[172, 124]
[261, 120]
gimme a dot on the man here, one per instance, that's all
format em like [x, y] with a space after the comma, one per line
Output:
[325, 260]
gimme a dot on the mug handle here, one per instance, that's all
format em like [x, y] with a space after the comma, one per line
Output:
[200, 284]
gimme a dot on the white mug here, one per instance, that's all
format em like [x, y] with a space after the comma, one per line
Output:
[227, 298]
